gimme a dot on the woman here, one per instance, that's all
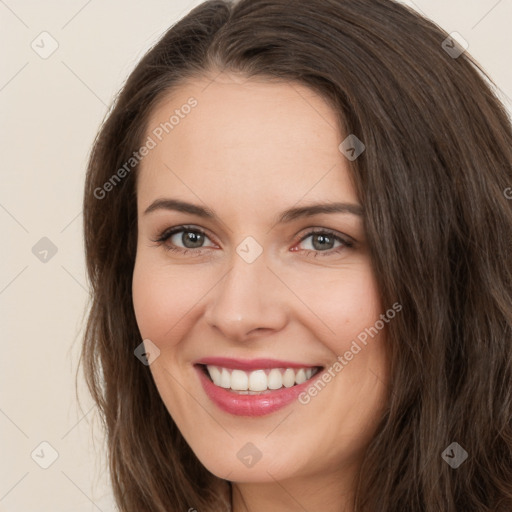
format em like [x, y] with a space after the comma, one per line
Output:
[298, 237]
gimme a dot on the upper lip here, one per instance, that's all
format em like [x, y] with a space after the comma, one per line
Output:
[251, 364]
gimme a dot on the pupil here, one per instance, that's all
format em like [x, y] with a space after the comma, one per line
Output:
[196, 239]
[321, 238]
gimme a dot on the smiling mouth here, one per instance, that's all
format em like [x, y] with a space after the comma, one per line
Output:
[260, 381]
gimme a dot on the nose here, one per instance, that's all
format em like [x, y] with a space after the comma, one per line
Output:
[248, 301]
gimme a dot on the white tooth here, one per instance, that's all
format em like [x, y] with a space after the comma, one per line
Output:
[239, 380]
[258, 380]
[275, 379]
[214, 374]
[288, 378]
[300, 376]
[225, 379]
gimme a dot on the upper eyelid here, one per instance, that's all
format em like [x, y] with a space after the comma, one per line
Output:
[309, 231]
[166, 233]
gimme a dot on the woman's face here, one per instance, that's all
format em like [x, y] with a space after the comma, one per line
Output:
[262, 297]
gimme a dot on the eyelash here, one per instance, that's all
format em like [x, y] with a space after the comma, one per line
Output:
[168, 233]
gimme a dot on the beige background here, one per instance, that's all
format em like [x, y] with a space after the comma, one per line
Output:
[51, 109]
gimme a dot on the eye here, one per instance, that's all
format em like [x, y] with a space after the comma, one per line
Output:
[323, 242]
[191, 238]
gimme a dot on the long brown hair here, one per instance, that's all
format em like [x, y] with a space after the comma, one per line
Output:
[433, 182]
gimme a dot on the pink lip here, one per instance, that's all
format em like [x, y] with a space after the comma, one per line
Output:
[249, 405]
[250, 364]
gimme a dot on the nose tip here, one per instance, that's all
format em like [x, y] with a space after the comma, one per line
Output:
[246, 303]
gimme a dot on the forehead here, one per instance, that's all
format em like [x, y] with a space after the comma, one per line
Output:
[251, 137]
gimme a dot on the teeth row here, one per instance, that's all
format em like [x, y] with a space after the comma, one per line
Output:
[258, 380]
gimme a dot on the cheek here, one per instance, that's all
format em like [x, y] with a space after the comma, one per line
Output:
[162, 299]
[344, 304]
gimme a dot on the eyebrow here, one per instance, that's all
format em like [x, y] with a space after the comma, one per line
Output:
[288, 215]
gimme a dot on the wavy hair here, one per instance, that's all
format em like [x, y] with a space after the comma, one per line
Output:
[433, 182]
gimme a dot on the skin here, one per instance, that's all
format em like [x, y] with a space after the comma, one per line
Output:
[249, 150]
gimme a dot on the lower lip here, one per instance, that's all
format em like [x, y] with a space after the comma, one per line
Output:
[249, 405]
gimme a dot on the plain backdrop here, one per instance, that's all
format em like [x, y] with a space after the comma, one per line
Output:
[51, 108]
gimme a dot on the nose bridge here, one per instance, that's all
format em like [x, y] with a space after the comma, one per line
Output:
[248, 297]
